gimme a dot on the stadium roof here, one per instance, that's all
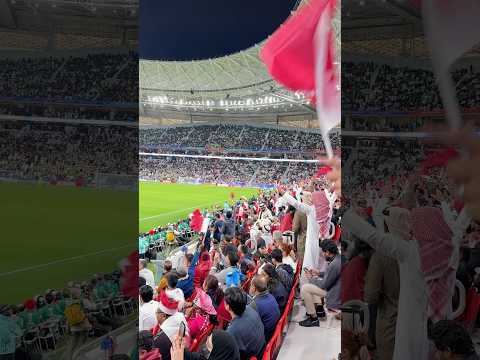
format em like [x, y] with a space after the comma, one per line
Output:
[236, 83]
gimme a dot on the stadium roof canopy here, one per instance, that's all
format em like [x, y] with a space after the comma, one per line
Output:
[236, 83]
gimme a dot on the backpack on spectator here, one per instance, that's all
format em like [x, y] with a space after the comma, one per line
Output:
[234, 278]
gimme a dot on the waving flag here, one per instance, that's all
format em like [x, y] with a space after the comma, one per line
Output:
[300, 56]
[451, 28]
[322, 171]
[196, 221]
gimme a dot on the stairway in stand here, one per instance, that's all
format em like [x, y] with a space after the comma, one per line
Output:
[317, 343]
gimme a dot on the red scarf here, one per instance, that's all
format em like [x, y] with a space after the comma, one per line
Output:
[434, 239]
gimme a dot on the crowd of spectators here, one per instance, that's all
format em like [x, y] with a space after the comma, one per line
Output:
[235, 283]
[225, 137]
[60, 151]
[93, 77]
[212, 170]
[399, 189]
[35, 86]
[64, 318]
[367, 86]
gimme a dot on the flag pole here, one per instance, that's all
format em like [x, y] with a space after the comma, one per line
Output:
[321, 34]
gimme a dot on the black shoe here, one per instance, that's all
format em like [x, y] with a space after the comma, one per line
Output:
[310, 322]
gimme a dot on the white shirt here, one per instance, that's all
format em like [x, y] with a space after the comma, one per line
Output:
[148, 276]
[147, 317]
[312, 258]
[172, 324]
[177, 295]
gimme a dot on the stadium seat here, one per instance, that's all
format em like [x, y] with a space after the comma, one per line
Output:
[469, 316]
[201, 338]
[355, 315]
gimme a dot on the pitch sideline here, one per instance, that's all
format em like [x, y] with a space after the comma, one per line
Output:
[174, 212]
[59, 261]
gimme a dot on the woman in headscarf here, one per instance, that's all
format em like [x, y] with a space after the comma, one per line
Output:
[200, 314]
[424, 276]
[221, 345]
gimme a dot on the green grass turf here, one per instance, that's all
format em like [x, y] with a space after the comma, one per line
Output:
[161, 204]
[48, 233]
[41, 224]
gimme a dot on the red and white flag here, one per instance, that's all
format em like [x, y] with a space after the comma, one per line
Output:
[300, 56]
[326, 77]
[451, 28]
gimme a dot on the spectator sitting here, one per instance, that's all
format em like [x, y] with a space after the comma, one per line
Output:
[145, 346]
[212, 288]
[172, 291]
[148, 306]
[246, 262]
[262, 251]
[275, 286]
[231, 261]
[146, 273]
[167, 267]
[200, 314]
[285, 272]
[288, 256]
[329, 287]
[246, 326]
[220, 345]
[265, 304]
[452, 341]
[277, 239]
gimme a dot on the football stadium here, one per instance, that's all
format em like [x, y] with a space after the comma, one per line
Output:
[218, 137]
[221, 184]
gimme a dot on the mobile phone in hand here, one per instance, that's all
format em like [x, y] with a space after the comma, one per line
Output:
[182, 329]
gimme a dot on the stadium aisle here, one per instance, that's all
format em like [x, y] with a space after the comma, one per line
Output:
[320, 343]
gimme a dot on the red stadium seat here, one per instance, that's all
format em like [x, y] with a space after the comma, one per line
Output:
[201, 338]
[469, 316]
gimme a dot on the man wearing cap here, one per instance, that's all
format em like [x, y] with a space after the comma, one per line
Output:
[328, 287]
[169, 320]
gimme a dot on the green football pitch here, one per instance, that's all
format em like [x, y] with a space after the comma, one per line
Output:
[55, 234]
[161, 204]
[51, 235]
